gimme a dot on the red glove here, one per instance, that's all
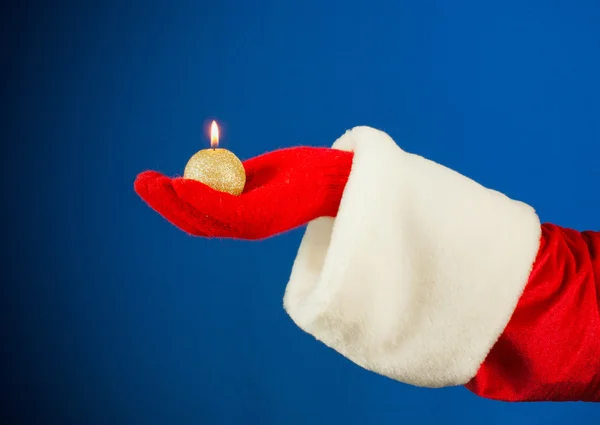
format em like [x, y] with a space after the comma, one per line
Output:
[284, 189]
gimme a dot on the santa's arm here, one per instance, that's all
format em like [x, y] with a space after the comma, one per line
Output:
[431, 279]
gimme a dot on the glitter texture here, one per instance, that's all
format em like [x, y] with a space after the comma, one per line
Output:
[217, 168]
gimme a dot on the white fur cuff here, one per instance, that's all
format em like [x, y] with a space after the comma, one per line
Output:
[421, 270]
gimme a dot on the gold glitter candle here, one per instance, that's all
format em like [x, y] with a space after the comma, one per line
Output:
[217, 167]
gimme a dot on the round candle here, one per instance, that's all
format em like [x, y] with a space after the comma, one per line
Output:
[217, 167]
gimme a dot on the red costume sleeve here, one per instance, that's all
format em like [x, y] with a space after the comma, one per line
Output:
[550, 349]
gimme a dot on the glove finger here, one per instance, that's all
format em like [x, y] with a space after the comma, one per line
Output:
[157, 191]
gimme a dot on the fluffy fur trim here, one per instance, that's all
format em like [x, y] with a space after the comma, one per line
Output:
[420, 271]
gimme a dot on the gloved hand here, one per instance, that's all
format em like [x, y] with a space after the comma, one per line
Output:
[284, 189]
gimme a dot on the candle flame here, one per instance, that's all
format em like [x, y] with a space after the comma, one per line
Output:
[214, 135]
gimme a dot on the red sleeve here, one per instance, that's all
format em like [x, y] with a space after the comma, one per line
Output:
[550, 349]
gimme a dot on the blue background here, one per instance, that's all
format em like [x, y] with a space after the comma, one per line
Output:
[113, 316]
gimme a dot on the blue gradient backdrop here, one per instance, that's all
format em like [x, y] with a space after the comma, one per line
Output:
[112, 316]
